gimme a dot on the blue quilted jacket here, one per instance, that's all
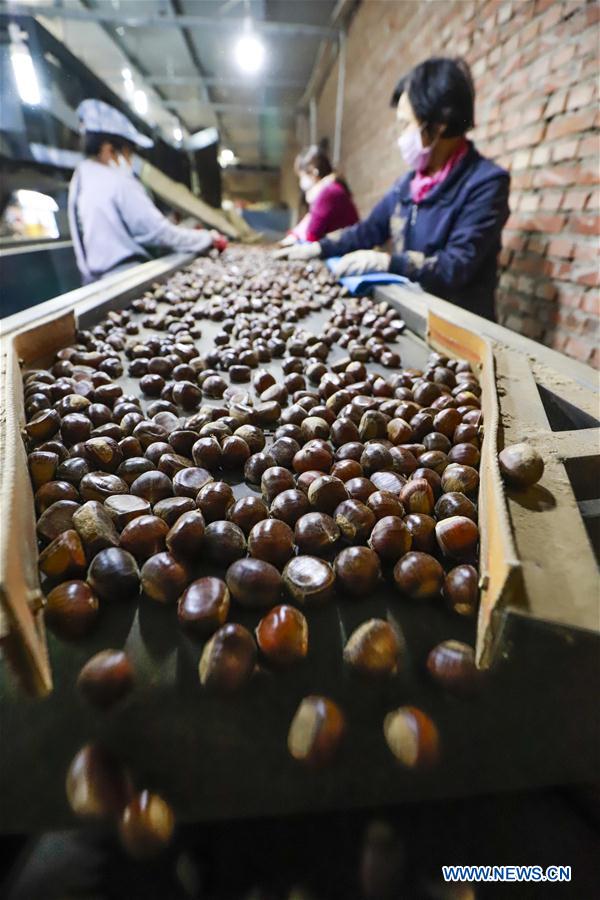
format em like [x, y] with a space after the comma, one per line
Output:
[450, 241]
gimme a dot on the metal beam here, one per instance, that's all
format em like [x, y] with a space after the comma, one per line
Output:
[114, 17]
[236, 108]
[217, 81]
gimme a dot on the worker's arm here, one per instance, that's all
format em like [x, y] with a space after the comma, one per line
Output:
[149, 227]
[371, 232]
[477, 229]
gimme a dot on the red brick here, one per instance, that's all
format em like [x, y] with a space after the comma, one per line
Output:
[540, 156]
[551, 16]
[561, 246]
[513, 241]
[565, 150]
[585, 224]
[546, 290]
[564, 176]
[589, 276]
[505, 11]
[585, 251]
[591, 303]
[590, 146]
[593, 201]
[581, 95]
[570, 123]
[575, 199]
[550, 200]
[537, 244]
[556, 104]
[570, 295]
[579, 349]
[562, 56]
[529, 202]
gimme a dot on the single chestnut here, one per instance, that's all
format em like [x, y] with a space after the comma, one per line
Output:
[316, 731]
[289, 506]
[56, 519]
[144, 536]
[282, 635]
[326, 493]
[106, 678]
[390, 539]
[123, 508]
[388, 481]
[417, 496]
[224, 542]
[114, 575]
[384, 503]
[203, 606]
[464, 479]
[360, 489]
[97, 786]
[146, 825]
[422, 529]
[214, 500]
[71, 609]
[164, 578]
[152, 486]
[452, 664]
[316, 534]
[186, 536]
[253, 582]
[64, 557]
[374, 649]
[275, 480]
[228, 659]
[309, 581]
[357, 570]
[412, 737]
[520, 465]
[355, 520]
[272, 541]
[453, 503]
[457, 536]
[418, 575]
[461, 590]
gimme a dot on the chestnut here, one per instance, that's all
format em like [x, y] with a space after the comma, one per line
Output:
[345, 469]
[390, 539]
[375, 458]
[56, 518]
[457, 536]
[454, 503]
[130, 468]
[253, 582]
[283, 451]
[272, 541]
[463, 479]
[144, 536]
[146, 825]
[235, 452]
[103, 454]
[214, 500]
[387, 481]
[452, 664]
[317, 731]
[343, 431]
[312, 457]
[357, 570]
[97, 786]
[326, 493]
[355, 520]
[316, 534]
[417, 496]
[289, 506]
[384, 503]
[282, 636]
[412, 737]
[418, 575]
[360, 489]
[171, 508]
[351, 450]
[186, 536]
[520, 465]
[228, 659]
[309, 581]
[422, 529]
[275, 480]
[188, 482]
[114, 575]
[224, 542]
[71, 609]
[374, 649]
[95, 527]
[203, 606]
[256, 465]
[466, 454]
[461, 590]
[163, 578]
[123, 508]
[106, 678]
[152, 486]
[64, 557]
[42, 467]
[207, 453]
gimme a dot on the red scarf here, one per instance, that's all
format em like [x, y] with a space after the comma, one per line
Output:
[422, 183]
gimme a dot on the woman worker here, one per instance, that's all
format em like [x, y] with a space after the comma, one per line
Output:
[111, 217]
[330, 204]
[445, 217]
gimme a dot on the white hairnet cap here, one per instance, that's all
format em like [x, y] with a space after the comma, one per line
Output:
[97, 116]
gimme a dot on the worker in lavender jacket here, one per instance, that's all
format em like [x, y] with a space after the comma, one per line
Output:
[443, 220]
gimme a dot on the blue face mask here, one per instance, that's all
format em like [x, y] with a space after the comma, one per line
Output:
[414, 154]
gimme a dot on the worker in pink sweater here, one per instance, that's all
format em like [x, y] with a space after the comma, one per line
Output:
[330, 204]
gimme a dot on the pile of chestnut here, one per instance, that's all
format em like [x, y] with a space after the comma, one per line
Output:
[352, 475]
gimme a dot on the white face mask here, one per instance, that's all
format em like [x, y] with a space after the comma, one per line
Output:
[306, 182]
[414, 154]
[121, 163]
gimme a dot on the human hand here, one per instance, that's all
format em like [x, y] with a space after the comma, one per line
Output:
[362, 261]
[219, 241]
[301, 252]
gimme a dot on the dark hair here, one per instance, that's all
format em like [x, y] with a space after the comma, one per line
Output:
[441, 92]
[314, 157]
[93, 140]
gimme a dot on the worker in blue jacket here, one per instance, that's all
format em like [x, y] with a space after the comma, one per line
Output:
[443, 220]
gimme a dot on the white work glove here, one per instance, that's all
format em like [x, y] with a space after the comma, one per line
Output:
[288, 240]
[362, 261]
[301, 252]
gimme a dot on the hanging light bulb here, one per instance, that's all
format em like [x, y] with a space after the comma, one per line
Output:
[140, 102]
[249, 50]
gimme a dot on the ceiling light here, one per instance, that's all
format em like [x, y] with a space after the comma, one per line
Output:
[126, 73]
[178, 133]
[249, 53]
[25, 74]
[140, 102]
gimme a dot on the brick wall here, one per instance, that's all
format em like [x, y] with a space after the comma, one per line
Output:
[535, 69]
